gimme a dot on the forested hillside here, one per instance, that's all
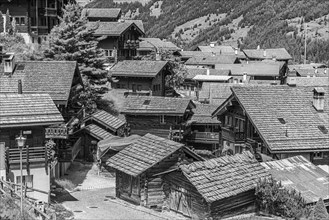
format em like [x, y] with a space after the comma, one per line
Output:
[267, 20]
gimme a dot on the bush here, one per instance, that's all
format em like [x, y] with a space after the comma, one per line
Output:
[66, 184]
[320, 211]
[9, 209]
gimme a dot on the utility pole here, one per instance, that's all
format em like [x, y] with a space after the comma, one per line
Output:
[305, 33]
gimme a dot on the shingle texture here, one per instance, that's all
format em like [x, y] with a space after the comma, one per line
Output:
[311, 81]
[151, 43]
[202, 114]
[20, 109]
[216, 93]
[191, 73]
[223, 177]
[116, 28]
[221, 49]
[155, 105]
[107, 119]
[102, 12]
[265, 104]
[97, 132]
[252, 69]
[278, 53]
[212, 60]
[143, 154]
[300, 174]
[52, 77]
[137, 68]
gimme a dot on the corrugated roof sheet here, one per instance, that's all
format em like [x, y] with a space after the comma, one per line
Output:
[265, 104]
[52, 77]
[278, 53]
[143, 154]
[102, 12]
[212, 60]
[116, 28]
[155, 105]
[20, 109]
[107, 120]
[137, 68]
[300, 174]
[226, 176]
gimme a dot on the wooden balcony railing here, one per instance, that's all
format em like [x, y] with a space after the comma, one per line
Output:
[129, 44]
[29, 155]
[231, 134]
[51, 12]
[203, 137]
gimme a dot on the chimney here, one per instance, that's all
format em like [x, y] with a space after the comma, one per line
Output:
[236, 51]
[20, 90]
[9, 63]
[264, 53]
[291, 81]
[235, 81]
[157, 56]
[318, 98]
[212, 44]
[258, 47]
[208, 71]
[244, 77]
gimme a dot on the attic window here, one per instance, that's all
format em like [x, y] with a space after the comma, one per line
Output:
[20, 67]
[146, 102]
[323, 129]
[282, 121]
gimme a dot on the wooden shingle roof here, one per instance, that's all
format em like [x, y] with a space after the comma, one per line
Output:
[52, 77]
[102, 12]
[253, 69]
[264, 105]
[109, 28]
[143, 154]
[97, 132]
[216, 93]
[310, 81]
[226, 176]
[300, 174]
[202, 114]
[156, 105]
[212, 60]
[106, 119]
[138, 68]
[18, 110]
[277, 53]
[191, 73]
[152, 43]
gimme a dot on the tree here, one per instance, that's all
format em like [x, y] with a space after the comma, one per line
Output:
[320, 211]
[8, 26]
[73, 39]
[273, 198]
[1, 23]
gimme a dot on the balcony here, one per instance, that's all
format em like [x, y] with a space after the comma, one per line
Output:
[51, 12]
[203, 137]
[129, 44]
[29, 155]
[39, 30]
[232, 135]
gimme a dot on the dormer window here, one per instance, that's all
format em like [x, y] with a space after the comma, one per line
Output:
[318, 98]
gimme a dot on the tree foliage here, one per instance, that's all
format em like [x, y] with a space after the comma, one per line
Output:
[73, 39]
[320, 211]
[1, 22]
[272, 198]
[8, 26]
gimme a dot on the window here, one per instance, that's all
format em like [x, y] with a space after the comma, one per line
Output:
[133, 87]
[118, 86]
[17, 20]
[318, 155]
[108, 53]
[22, 21]
[28, 180]
[162, 119]
[139, 87]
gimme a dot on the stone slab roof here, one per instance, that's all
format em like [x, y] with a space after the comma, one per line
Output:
[28, 109]
[52, 77]
[137, 68]
[157, 105]
[226, 176]
[143, 154]
[300, 174]
[301, 131]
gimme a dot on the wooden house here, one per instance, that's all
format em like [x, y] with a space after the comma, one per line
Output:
[121, 38]
[211, 61]
[279, 54]
[140, 166]
[221, 49]
[148, 46]
[278, 121]
[141, 77]
[102, 14]
[203, 130]
[28, 114]
[34, 19]
[213, 188]
[59, 79]
[161, 116]
[301, 175]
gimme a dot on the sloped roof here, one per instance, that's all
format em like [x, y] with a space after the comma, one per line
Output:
[106, 119]
[150, 43]
[212, 60]
[310, 81]
[202, 114]
[143, 154]
[221, 49]
[311, 72]
[216, 93]
[28, 109]
[278, 53]
[253, 69]
[52, 77]
[102, 12]
[189, 54]
[97, 132]
[116, 28]
[137, 68]
[192, 72]
[265, 104]
[156, 105]
[226, 176]
[211, 78]
[300, 174]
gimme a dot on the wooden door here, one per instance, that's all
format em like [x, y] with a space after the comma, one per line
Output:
[180, 202]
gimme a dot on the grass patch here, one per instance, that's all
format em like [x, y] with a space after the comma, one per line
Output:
[65, 183]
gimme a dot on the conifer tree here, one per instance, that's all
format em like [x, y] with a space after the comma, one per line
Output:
[8, 26]
[320, 212]
[73, 39]
[1, 23]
